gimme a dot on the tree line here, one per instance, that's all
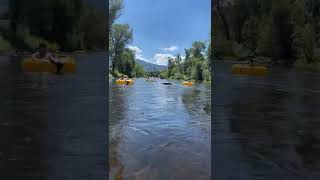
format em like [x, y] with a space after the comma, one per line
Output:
[65, 25]
[285, 31]
[120, 35]
[195, 66]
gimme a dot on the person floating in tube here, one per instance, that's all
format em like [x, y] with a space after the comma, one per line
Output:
[126, 79]
[44, 55]
[251, 58]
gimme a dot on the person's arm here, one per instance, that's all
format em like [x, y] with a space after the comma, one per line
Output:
[34, 56]
[52, 58]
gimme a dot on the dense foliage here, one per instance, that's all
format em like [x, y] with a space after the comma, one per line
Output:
[64, 24]
[286, 31]
[195, 66]
[4, 45]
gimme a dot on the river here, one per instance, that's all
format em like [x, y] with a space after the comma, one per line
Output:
[54, 127]
[266, 127]
[160, 132]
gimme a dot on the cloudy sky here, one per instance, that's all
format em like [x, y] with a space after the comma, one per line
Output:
[164, 28]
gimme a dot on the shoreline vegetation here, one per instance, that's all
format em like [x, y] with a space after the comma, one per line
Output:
[22, 53]
[66, 26]
[13, 52]
[283, 32]
[194, 66]
[315, 66]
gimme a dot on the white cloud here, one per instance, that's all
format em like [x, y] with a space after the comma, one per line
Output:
[161, 59]
[138, 52]
[170, 49]
[135, 49]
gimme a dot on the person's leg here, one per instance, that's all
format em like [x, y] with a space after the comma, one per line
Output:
[59, 67]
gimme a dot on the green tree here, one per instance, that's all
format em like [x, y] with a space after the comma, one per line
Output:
[138, 71]
[92, 29]
[220, 11]
[197, 49]
[283, 28]
[195, 66]
[121, 35]
[305, 42]
[209, 55]
[179, 62]
[115, 7]
[198, 71]
[70, 24]
[170, 67]
[127, 62]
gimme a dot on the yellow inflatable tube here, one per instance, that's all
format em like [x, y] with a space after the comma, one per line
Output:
[249, 70]
[187, 83]
[124, 81]
[31, 65]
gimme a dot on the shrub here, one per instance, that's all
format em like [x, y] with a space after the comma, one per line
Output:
[302, 63]
[32, 42]
[239, 51]
[4, 44]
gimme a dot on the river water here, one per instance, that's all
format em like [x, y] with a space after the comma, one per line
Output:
[54, 127]
[266, 127]
[160, 132]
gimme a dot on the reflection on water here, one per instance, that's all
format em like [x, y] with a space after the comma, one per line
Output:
[159, 131]
[53, 127]
[271, 124]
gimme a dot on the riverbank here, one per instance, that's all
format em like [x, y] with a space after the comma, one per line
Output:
[265, 61]
[301, 64]
[28, 53]
[257, 60]
[191, 80]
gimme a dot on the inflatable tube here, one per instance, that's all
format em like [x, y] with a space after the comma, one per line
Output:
[124, 82]
[31, 65]
[187, 83]
[249, 70]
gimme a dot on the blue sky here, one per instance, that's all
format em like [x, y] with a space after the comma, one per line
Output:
[163, 28]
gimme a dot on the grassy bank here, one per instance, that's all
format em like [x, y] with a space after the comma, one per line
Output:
[303, 64]
[299, 64]
[5, 45]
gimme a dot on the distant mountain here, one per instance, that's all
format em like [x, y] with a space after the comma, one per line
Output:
[148, 67]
